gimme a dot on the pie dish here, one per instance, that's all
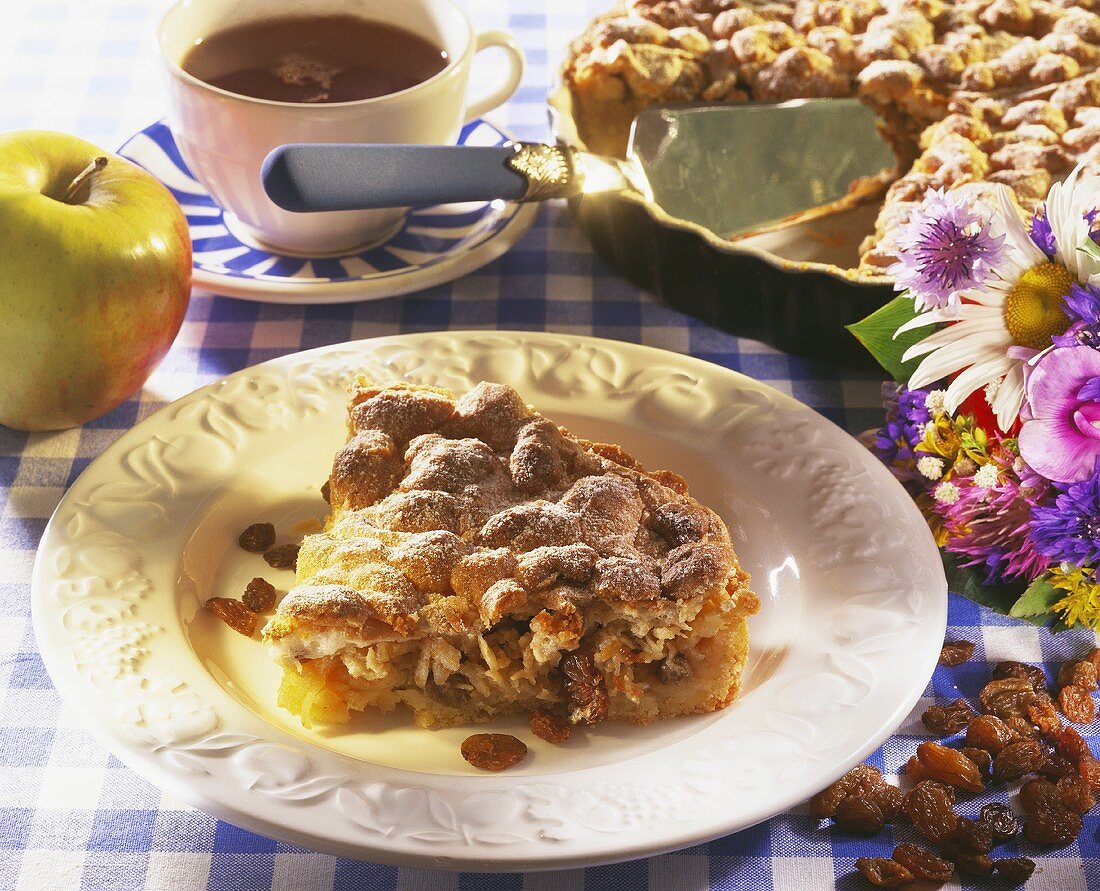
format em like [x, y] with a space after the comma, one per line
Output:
[480, 561]
[852, 617]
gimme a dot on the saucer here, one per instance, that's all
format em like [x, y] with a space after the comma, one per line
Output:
[434, 244]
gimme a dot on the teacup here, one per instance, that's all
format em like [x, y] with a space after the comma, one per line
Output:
[224, 137]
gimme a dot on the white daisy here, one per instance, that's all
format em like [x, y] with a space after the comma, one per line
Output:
[1014, 314]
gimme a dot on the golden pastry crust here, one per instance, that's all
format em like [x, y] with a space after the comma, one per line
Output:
[472, 544]
[957, 86]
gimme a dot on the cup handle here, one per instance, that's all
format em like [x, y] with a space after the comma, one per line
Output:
[482, 104]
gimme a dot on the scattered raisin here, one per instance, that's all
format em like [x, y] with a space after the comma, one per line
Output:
[988, 732]
[1000, 819]
[922, 863]
[1032, 673]
[928, 806]
[1015, 870]
[588, 700]
[235, 614]
[955, 653]
[1057, 766]
[882, 872]
[1089, 768]
[1022, 727]
[973, 836]
[888, 798]
[1076, 703]
[493, 751]
[915, 771]
[968, 862]
[282, 557]
[1071, 744]
[257, 538]
[859, 815]
[981, 758]
[1093, 656]
[259, 595]
[1016, 759]
[1054, 827]
[950, 766]
[1038, 794]
[860, 779]
[550, 727]
[944, 720]
[1075, 794]
[1007, 698]
[1043, 716]
[1081, 673]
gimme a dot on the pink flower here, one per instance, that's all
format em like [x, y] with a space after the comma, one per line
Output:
[1061, 440]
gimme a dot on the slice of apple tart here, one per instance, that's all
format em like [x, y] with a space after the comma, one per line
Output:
[478, 560]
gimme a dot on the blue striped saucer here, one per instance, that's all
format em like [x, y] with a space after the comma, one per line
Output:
[435, 245]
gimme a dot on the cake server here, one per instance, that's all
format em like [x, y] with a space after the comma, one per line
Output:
[734, 169]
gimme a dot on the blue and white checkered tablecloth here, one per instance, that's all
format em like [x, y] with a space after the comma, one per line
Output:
[71, 816]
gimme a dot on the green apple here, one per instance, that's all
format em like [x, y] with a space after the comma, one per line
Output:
[95, 275]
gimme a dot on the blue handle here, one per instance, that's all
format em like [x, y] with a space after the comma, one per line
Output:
[319, 177]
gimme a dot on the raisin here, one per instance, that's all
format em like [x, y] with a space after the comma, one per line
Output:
[915, 771]
[235, 614]
[922, 863]
[550, 727]
[955, 653]
[1075, 794]
[259, 595]
[1016, 759]
[888, 798]
[282, 557]
[1076, 703]
[944, 720]
[858, 815]
[1093, 656]
[1000, 819]
[1089, 768]
[1054, 827]
[257, 538]
[1043, 716]
[493, 751]
[326, 491]
[950, 766]
[981, 758]
[1032, 673]
[1057, 766]
[1038, 794]
[928, 806]
[1015, 870]
[1022, 727]
[1007, 698]
[988, 732]
[588, 702]
[1081, 673]
[882, 872]
[973, 836]
[860, 779]
[1071, 744]
[968, 862]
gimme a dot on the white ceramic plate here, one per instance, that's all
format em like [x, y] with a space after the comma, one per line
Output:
[434, 244]
[853, 615]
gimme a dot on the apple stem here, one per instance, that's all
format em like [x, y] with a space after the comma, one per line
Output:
[76, 187]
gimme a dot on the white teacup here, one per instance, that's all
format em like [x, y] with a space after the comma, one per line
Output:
[224, 137]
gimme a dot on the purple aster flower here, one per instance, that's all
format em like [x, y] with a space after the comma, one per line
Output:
[1069, 529]
[1082, 304]
[1079, 334]
[1042, 234]
[906, 416]
[1061, 438]
[945, 247]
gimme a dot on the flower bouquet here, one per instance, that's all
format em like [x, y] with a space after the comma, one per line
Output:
[993, 423]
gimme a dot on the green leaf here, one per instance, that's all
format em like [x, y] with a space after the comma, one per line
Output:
[970, 583]
[1090, 248]
[876, 333]
[1037, 600]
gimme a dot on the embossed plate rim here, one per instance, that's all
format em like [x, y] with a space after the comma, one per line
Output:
[190, 737]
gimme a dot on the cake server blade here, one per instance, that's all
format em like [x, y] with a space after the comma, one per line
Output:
[734, 169]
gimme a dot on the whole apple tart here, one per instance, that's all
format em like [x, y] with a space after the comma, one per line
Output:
[968, 93]
[478, 561]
